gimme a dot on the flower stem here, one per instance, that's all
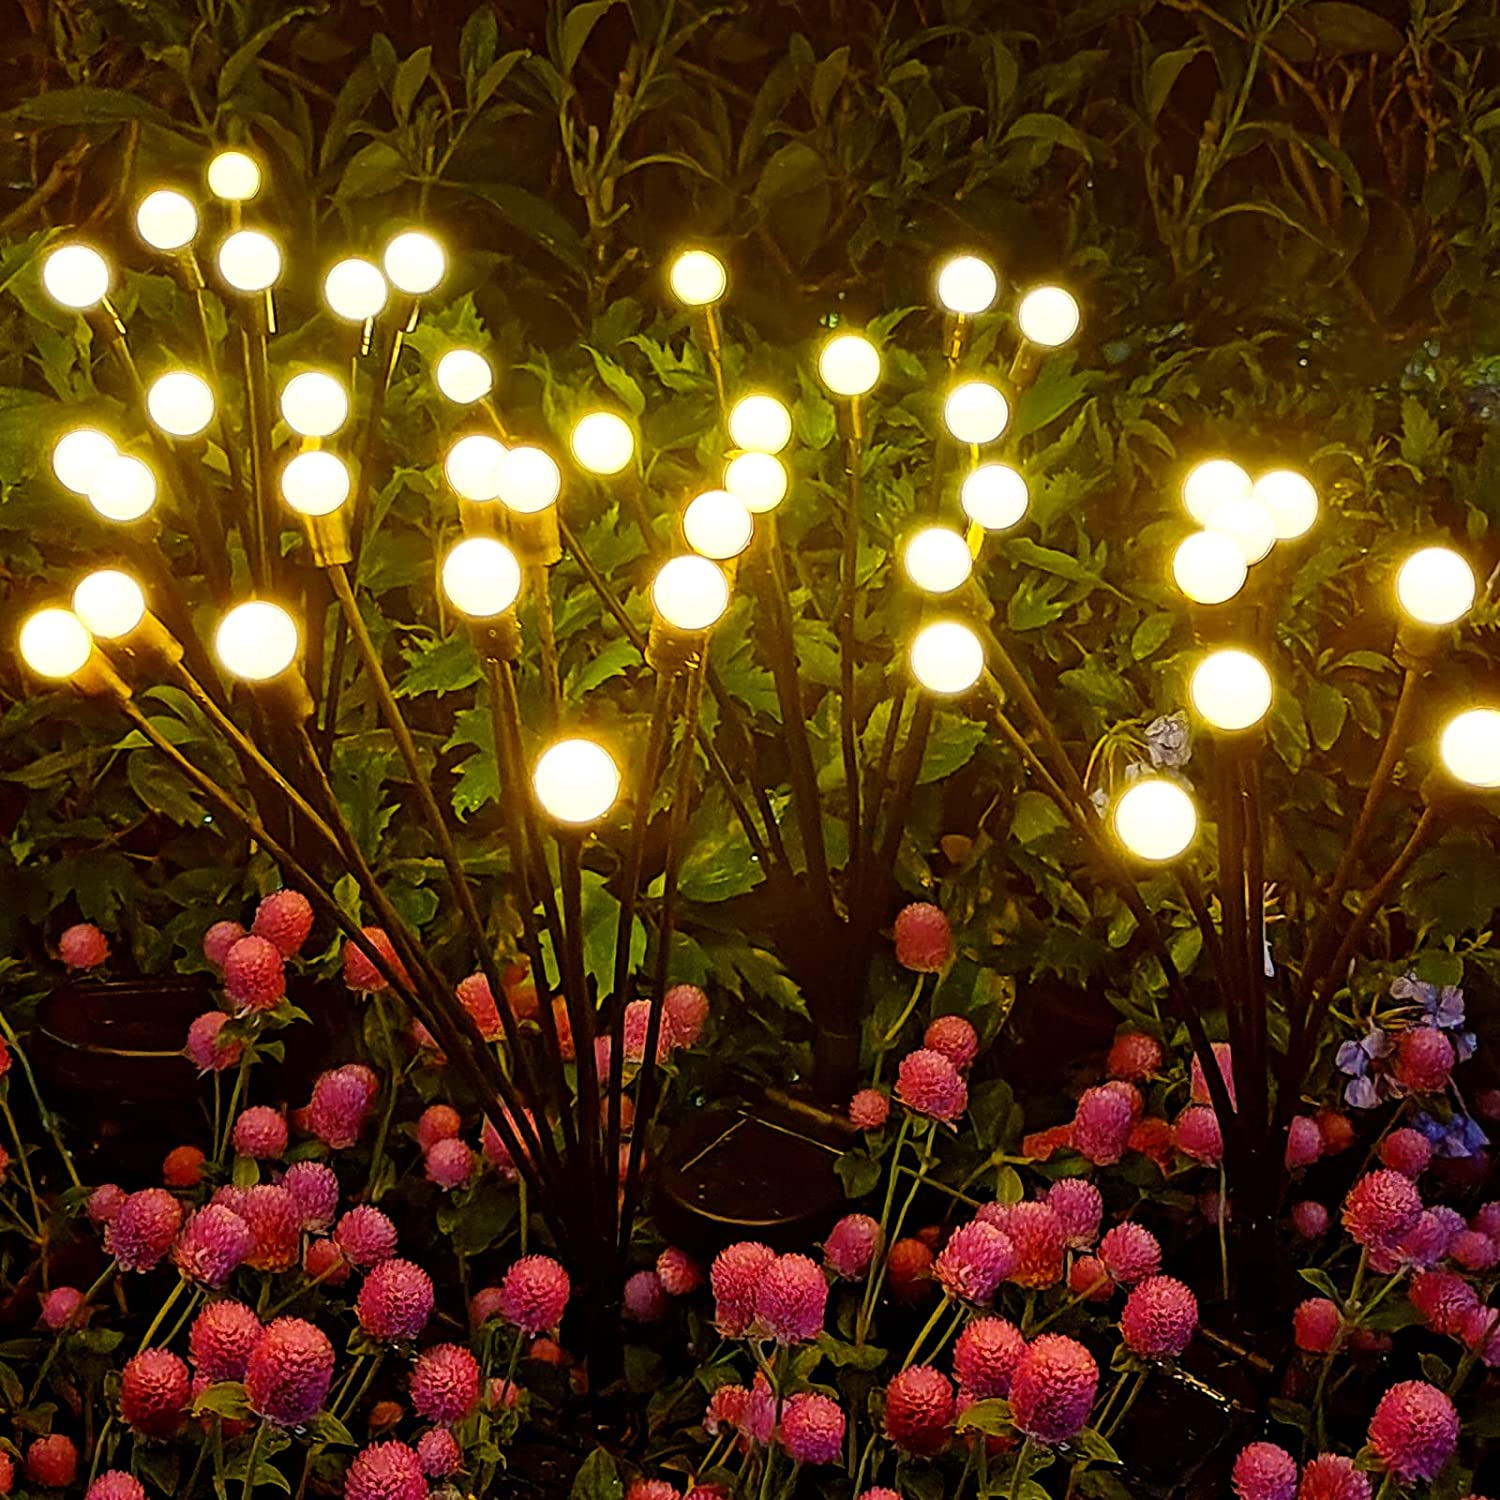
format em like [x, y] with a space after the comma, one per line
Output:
[889, 1237]
[15, 1133]
[921, 1338]
[1020, 1469]
[889, 1038]
[251, 1460]
[161, 1313]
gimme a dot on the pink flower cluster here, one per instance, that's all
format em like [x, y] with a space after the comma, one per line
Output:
[781, 1297]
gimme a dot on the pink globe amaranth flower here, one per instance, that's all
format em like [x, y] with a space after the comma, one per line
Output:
[645, 1301]
[1304, 1142]
[1130, 1094]
[1196, 1133]
[254, 974]
[1135, 1056]
[445, 1384]
[1160, 1318]
[726, 1409]
[448, 1164]
[1224, 1056]
[52, 1462]
[104, 1203]
[680, 1273]
[1414, 1431]
[289, 1371]
[501, 1394]
[534, 1294]
[986, 1355]
[1088, 1278]
[685, 1009]
[1101, 1126]
[1080, 1207]
[919, 1410]
[1474, 1251]
[1316, 1325]
[1040, 1239]
[734, 1275]
[155, 1390]
[260, 1132]
[924, 940]
[284, 919]
[219, 939]
[651, 1489]
[276, 1225]
[143, 1229]
[1381, 1207]
[1310, 1219]
[976, 1259]
[221, 1338]
[366, 1236]
[396, 1300]
[438, 1122]
[1264, 1471]
[484, 1305]
[62, 1307]
[869, 1109]
[790, 1299]
[929, 1084]
[386, 1471]
[182, 1167]
[315, 1190]
[83, 946]
[476, 997]
[1423, 1245]
[214, 1243]
[1053, 1388]
[204, 1048]
[114, 1484]
[1424, 1060]
[336, 1113]
[1406, 1151]
[1487, 1220]
[438, 1453]
[1442, 1298]
[851, 1246]
[637, 1025]
[1130, 1253]
[360, 974]
[1330, 1476]
[955, 1038]
[324, 1262]
[367, 1078]
[1336, 1129]
[812, 1428]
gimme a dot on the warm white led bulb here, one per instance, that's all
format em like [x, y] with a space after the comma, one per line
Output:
[1470, 747]
[967, 285]
[110, 603]
[76, 276]
[1290, 500]
[79, 455]
[1435, 586]
[234, 176]
[473, 464]
[1048, 316]
[122, 489]
[717, 524]
[946, 657]
[937, 559]
[1209, 568]
[316, 483]
[256, 641]
[1155, 818]
[602, 442]
[761, 423]
[529, 479]
[976, 412]
[1231, 689]
[314, 404]
[1210, 483]
[690, 593]
[464, 376]
[849, 364]
[994, 496]
[167, 220]
[697, 278]
[576, 781]
[759, 479]
[481, 577]
[355, 289]
[250, 261]
[55, 643]
[180, 403]
[1246, 522]
[415, 262]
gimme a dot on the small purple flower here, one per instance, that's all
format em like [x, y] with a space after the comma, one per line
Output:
[1441, 1006]
[1168, 741]
[1354, 1059]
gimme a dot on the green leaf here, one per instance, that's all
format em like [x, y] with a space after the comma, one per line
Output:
[850, 1356]
[374, 169]
[535, 217]
[410, 77]
[1035, 816]
[576, 26]
[951, 744]
[718, 864]
[1288, 731]
[620, 382]
[164, 789]
[1327, 708]
[1050, 128]
[440, 667]
[1151, 634]
[1096, 1446]
[1340, 27]
[1422, 440]
[1289, 1413]
[597, 1477]
[88, 106]
[226, 1399]
[242, 57]
[992, 1417]
[859, 1172]
[1162, 74]
[615, 657]
[1322, 1282]
[325, 1428]
[794, 168]
[827, 77]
